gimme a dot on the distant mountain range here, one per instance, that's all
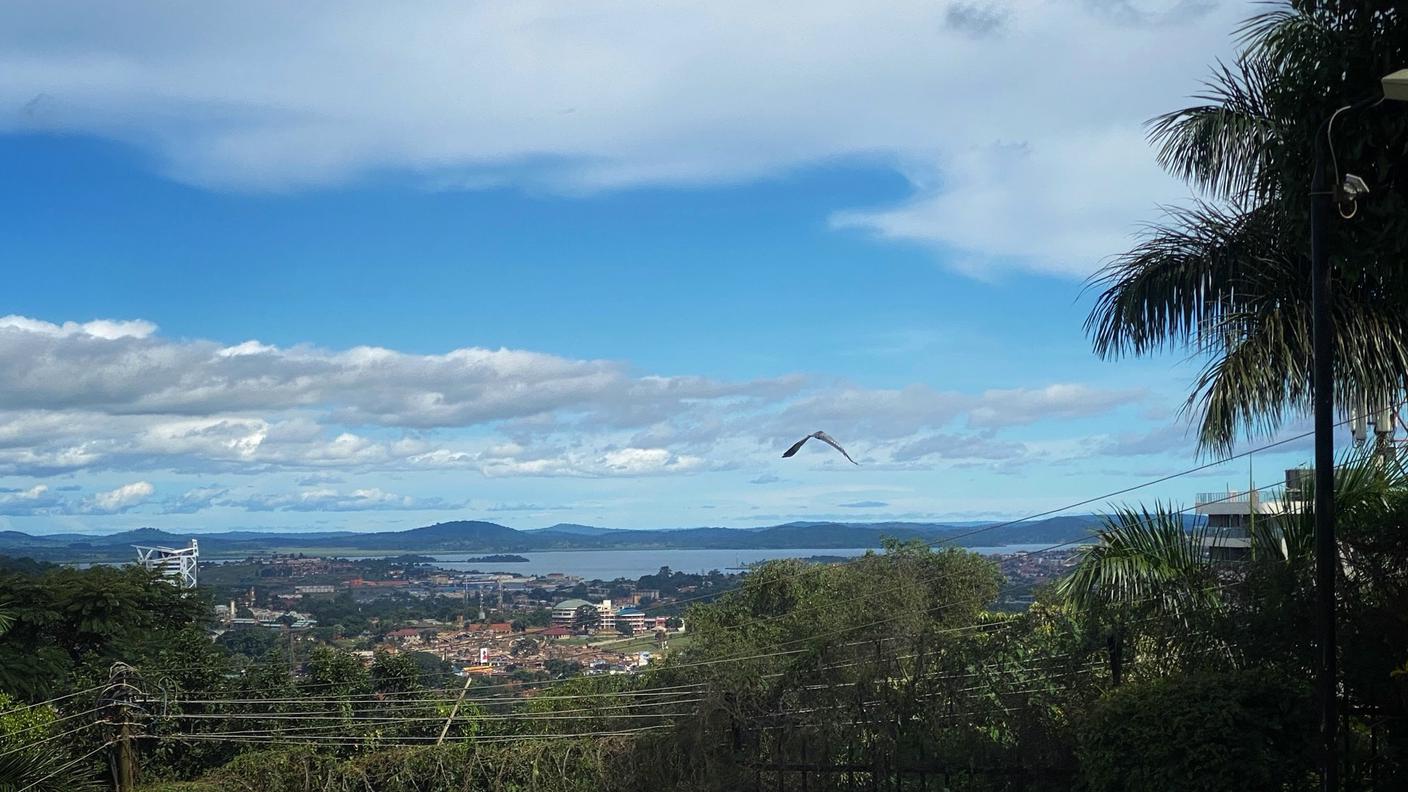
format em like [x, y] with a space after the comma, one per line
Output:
[477, 536]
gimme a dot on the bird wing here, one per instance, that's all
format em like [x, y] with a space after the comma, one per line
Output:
[829, 440]
[795, 447]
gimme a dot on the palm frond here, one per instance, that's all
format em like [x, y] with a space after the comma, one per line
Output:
[1224, 147]
[1181, 278]
[45, 771]
[1143, 560]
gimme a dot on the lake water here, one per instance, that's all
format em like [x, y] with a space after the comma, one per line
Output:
[611, 564]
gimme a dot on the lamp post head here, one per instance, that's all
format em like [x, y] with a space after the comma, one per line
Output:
[1396, 86]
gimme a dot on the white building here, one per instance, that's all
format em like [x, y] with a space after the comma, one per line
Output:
[564, 613]
[1231, 514]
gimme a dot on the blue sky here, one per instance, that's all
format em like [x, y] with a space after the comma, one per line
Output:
[595, 279]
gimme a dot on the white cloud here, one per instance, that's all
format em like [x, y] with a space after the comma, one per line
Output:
[34, 500]
[106, 329]
[119, 500]
[331, 500]
[263, 95]
[983, 445]
[1020, 406]
[76, 401]
[194, 500]
[146, 374]
[624, 462]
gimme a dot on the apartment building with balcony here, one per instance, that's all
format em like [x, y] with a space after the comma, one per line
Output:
[1230, 514]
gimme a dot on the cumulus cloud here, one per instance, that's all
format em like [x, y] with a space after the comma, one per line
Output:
[40, 499]
[263, 95]
[107, 329]
[144, 374]
[99, 400]
[194, 500]
[118, 500]
[623, 462]
[33, 500]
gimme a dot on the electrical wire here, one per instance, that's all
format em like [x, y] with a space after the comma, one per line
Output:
[43, 740]
[37, 782]
[52, 700]
[665, 690]
[993, 626]
[47, 724]
[343, 742]
[953, 603]
[947, 540]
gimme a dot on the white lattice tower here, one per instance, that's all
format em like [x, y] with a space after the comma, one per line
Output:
[177, 565]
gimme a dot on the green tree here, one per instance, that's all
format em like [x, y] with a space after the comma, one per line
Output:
[432, 667]
[63, 619]
[252, 642]
[395, 673]
[561, 669]
[1146, 570]
[586, 619]
[333, 672]
[39, 768]
[1229, 278]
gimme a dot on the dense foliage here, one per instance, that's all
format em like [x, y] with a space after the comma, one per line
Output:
[1214, 732]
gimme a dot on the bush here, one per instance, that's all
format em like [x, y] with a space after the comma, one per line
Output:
[587, 765]
[1201, 733]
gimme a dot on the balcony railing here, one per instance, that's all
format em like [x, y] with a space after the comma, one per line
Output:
[1252, 497]
[1205, 498]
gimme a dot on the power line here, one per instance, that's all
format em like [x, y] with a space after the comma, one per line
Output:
[52, 700]
[49, 738]
[389, 742]
[47, 724]
[1049, 512]
[665, 690]
[37, 782]
[967, 600]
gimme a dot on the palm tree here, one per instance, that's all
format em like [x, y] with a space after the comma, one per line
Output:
[1149, 566]
[1143, 559]
[45, 771]
[1144, 565]
[1228, 278]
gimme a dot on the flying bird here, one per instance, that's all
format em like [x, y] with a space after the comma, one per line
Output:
[823, 437]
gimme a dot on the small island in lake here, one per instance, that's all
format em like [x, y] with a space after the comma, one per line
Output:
[498, 558]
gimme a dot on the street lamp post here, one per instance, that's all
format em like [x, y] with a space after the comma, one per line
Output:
[1322, 195]
[1322, 382]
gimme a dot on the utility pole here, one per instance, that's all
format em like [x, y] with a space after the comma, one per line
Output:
[455, 711]
[1323, 389]
[1322, 195]
[119, 694]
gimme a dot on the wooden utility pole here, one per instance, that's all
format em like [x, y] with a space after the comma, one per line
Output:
[455, 711]
[126, 760]
[119, 694]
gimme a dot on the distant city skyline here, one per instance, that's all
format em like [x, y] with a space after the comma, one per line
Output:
[610, 290]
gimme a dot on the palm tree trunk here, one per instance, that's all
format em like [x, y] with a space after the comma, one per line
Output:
[1115, 643]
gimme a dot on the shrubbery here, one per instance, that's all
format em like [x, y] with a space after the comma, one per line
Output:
[1232, 732]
